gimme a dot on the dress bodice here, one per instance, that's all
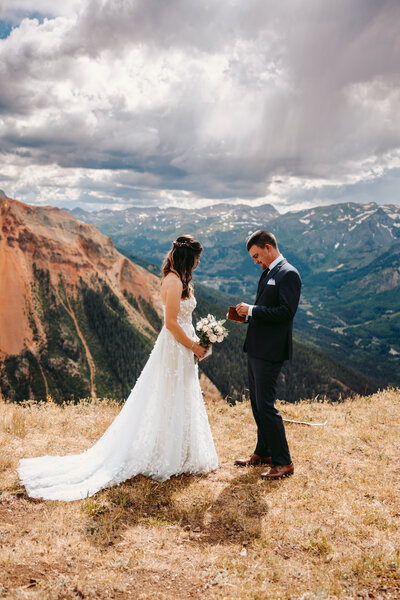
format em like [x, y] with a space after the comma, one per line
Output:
[186, 308]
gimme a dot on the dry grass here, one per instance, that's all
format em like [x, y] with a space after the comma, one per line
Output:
[329, 532]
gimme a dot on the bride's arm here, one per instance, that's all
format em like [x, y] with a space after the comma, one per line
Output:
[173, 293]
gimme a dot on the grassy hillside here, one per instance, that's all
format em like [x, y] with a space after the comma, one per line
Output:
[328, 532]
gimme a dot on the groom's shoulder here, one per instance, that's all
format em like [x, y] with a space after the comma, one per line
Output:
[288, 268]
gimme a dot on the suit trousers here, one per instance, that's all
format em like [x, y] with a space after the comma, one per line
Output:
[271, 437]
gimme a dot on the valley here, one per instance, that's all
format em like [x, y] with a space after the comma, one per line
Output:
[348, 256]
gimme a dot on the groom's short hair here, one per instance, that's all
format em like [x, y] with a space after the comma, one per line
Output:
[260, 238]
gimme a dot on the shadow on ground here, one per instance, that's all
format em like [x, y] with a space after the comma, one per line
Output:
[210, 509]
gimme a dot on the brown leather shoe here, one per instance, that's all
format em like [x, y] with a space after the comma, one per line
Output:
[253, 461]
[279, 471]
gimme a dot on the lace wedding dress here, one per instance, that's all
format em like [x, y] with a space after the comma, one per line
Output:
[162, 430]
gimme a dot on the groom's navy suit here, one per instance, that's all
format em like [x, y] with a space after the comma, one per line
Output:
[268, 344]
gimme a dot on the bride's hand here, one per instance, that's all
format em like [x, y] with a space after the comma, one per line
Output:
[198, 350]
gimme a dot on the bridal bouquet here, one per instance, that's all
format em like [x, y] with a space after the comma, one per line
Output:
[210, 331]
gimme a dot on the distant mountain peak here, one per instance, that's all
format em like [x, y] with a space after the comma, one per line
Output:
[3, 196]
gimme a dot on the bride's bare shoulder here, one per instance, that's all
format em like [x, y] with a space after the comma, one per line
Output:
[171, 282]
[171, 279]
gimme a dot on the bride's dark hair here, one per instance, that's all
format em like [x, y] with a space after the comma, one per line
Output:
[180, 260]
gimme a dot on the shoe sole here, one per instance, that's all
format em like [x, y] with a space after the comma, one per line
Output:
[278, 477]
[252, 466]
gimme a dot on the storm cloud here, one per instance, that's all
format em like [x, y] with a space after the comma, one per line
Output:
[119, 102]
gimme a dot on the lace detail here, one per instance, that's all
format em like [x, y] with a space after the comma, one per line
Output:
[162, 430]
[184, 318]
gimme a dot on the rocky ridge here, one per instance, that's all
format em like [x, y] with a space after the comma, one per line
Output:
[49, 262]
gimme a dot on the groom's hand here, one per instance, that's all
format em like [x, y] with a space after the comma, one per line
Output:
[242, 309]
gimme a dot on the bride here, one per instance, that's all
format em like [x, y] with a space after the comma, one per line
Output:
[162, 429]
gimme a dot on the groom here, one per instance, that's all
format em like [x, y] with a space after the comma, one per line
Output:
[268, 344]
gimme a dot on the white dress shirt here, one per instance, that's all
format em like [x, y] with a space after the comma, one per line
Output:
[271, 266]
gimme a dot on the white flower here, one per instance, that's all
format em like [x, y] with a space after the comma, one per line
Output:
[211, 330]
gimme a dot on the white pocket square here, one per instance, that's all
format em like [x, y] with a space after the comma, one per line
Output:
[271, 282]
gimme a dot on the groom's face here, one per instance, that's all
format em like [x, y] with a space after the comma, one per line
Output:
[261, 256]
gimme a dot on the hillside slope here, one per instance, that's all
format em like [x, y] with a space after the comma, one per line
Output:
[77, 318]
[328, 532]
[311, 374]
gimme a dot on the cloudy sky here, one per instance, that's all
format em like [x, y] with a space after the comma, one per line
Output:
[109, 103]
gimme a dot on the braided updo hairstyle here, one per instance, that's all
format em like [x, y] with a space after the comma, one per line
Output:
[180, 260]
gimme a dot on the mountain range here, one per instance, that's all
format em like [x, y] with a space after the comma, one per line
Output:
[348, 256]
[78, 319]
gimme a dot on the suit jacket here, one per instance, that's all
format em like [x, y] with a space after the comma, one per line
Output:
[269, 333]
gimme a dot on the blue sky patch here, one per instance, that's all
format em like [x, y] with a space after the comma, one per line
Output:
[5, 28]
[6, 25]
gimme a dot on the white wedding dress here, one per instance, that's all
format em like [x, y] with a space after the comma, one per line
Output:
[162, 430]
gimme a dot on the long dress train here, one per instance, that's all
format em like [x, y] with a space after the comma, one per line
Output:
[162, 430]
